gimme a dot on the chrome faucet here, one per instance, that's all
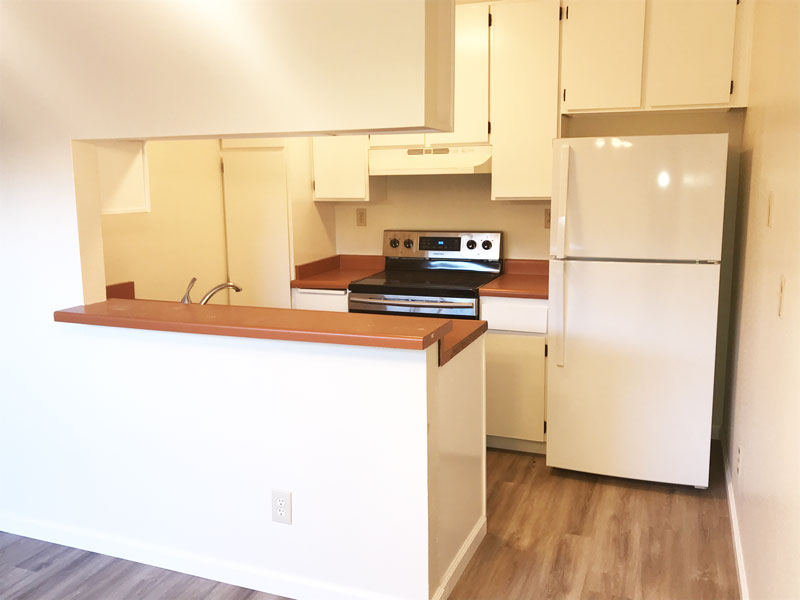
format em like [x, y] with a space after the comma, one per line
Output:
[186, 298]
[217, 288]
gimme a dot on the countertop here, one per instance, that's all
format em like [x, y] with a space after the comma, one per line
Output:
[336, 272]
[520, 279]
[411, 333]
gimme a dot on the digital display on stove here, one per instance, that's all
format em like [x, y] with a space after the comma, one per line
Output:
[446, 244]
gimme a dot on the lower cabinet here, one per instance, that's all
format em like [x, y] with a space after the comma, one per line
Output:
[515, 393]
[515, 371]
[309, 299]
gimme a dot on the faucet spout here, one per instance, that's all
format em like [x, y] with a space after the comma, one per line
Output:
[217, 288]
[186, 297]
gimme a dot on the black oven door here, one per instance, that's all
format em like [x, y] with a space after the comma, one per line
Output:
[416, 306]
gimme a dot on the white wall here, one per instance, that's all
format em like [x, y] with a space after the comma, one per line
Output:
[237, 66]
[443, 202]
[183, 235]
[169, 454]
[764, 408]
[81, 71]
[313, 223]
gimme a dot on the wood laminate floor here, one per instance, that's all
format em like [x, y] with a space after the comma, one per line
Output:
[560, 534]
[552, 534]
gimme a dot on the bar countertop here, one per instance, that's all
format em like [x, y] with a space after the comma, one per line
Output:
[410, 333]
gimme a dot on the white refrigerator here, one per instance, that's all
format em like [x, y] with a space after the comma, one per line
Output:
[634, 285]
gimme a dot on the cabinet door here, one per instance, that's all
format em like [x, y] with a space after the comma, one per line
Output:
[340, 167]
[257, 224]
[471, 97]
[689, 51]
[515, 386]
[524, 97]
[602, 54]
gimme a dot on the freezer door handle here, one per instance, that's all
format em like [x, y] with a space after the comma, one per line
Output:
[561, 200]
[558, 313]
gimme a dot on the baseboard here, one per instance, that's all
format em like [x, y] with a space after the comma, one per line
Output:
[504, 443]
[461, 560]
[263, 580]
[744, 593]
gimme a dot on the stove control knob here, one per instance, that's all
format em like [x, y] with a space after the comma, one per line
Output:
[394, 242]
[471, 245]
[409, 243]
[486, 245]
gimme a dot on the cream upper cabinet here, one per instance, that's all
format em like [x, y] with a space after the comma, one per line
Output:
[689, 51]
[649, 54]
[524, 97]
[602, 54]
[471, 96]
[341, 169]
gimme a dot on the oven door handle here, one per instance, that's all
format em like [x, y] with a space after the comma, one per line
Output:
[421, 303]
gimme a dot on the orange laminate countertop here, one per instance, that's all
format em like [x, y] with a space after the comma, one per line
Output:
[336, 272]
[385, 331]
[464, 332]
[520, 279]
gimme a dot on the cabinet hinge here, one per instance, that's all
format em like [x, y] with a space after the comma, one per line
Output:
[564, 96]
[490, 19]
[560, 13]
[731, 86]
[566, 13]
[313, 184]
[221, 165]
[545, 426]
[545, 350]
[490, 127]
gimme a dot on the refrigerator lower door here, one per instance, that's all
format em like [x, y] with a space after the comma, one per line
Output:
[631, 392]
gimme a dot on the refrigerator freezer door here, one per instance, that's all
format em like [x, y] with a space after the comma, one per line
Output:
[649, 197]
[634, 395]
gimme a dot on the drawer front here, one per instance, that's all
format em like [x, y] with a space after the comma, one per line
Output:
[515, 314]
[331, 300]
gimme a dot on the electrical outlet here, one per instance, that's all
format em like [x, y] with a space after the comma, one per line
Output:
[282, 507]
[547, 218]
[361, 217]
[738, 460]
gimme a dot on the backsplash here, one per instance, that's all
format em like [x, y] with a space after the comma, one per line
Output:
[444, 202]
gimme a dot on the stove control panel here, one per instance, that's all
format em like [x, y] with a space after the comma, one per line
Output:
[442, 244]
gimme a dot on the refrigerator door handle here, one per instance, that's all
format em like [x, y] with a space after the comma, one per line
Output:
[561, 200]
[557, 329]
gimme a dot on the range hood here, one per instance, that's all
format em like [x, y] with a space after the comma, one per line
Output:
[430, 161]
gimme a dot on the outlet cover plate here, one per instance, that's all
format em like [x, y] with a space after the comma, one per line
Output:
[282, 507]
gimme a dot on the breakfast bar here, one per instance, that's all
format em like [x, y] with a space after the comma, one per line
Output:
[373, 425]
